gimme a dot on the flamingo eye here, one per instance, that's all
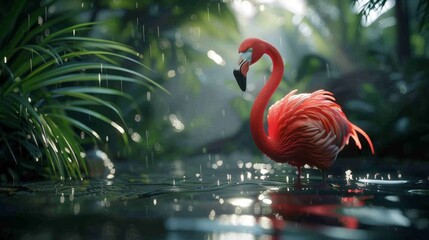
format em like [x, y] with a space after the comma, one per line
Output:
[247, 55]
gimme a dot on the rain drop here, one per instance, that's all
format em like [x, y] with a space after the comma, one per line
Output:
[62, 199]
[76, 208]
[143, 34]
[40, 20]
[171, 73]
[137, 118]
[147, 139]
[328, 70]
[136, 137]
[212, 214]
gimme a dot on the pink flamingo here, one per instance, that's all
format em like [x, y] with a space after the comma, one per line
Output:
[306, 128]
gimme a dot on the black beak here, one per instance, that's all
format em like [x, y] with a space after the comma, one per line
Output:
[241, 79]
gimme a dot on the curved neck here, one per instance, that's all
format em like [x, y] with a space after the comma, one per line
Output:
[257, 114]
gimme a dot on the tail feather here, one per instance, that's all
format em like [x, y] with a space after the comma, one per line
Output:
[363, 133]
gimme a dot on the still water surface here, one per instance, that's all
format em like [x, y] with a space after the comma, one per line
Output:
[224, 199]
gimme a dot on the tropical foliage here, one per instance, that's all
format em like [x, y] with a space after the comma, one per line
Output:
[53, 79]
[65, 88]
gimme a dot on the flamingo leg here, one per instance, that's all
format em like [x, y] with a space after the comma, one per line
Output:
[323, 176]
[298, 180]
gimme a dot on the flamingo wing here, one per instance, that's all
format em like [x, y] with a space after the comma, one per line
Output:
[310, 129]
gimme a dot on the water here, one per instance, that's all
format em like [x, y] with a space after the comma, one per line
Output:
[221, 198]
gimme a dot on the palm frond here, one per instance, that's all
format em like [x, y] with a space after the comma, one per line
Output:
[48, 80]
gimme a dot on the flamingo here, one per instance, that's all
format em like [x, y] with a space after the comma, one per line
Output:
[305, 128]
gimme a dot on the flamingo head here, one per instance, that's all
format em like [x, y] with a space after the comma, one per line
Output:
[250, 51]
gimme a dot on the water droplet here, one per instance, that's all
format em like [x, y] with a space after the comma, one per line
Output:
[74, 32]
[62, 199]
[147, 139]
[71, 196]
[136, 137]
[5, 59]
[76, 208]
[137, 117]
[328, 70]
[143, 34]
[171, 73]
[40, 20]
[212, 214]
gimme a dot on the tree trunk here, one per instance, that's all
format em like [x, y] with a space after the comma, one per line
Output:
[402, 31]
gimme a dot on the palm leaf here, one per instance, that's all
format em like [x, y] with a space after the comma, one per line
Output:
[49, 83]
